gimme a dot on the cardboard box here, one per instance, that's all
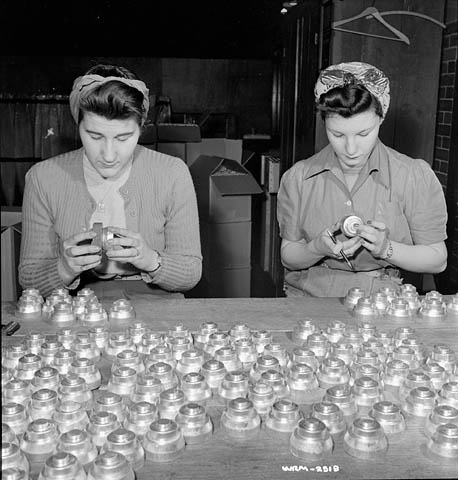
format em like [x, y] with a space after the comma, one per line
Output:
[223, 189]
[11, 229]
[218, 147]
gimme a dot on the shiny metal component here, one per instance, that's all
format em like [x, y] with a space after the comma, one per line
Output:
[47, 308]
[305, 356]
[121, 310]
[216, 341]
[179, 345]
[353, 337]
[70, 415]
[238, 331]
[94, 314]
[136, 331]
[165, 373]
[367, 357]
[264, 363]
[27, 366]
[48, 351]
[63, 314]
[365, 309]
[45, 377]
[302, 330]
[407, 355]
[62, 361]
[39, 442]
[62, 466]
[331, 415]
[148, 341]
[111, 466]
[147, 389]
[332, 371]
[72, 387]
[98, 335]
[442, 447]
[453, 374]
[66, 336]
[380, 300]
[396, 372]
[399, 309]
[343, 350]
[28, 308]
[261, 338]
[86, 294]
[391, 293]
[303, 384]
[234, 385]
[164, 441]
[318, 343]
[78, 443]
[278, 382]
[214, 373]
[350, 225]
[376, 346]
[362, 370]
[101, 424]
[12, 355]
[419, 403]
[13, 457]
[311, 440]
[448, 394]
[84, 347]
[365, 439]
[129, 358]
[452, 306]
[443, 355]
[170, 401]
[7, 375]
[228, 357]
[117, 342]
[440, 415]
[436, 373]
[334, 331]
[367, 392]
[263, 397]
[202, 335]
[390, 417]
[42, 404]
[8, 436]
[240, 421]
[32, 292]
[14, 474]
[191, 361]
[161, 353]
[352, 297]
[195, 388]
[111, 402]
[79, 307]
[246, 352]
[123, 381]
[414, 379]
[277, 350]
[433, 309]
[433, 295]
[15, 416]
[401, 333]
[139, 418]
[367, 330]
[179, 331]
[195, 423]
[413, 300]
[126, 442]
[283, 417]
[85, 368]
[386, 339]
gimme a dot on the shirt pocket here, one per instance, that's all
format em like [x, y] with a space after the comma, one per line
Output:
[392, 215]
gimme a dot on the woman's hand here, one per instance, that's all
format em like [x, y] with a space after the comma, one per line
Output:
[129, 247]
[326, 247]
[78, 258]
[375, 238]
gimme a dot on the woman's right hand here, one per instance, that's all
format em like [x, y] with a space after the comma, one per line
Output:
[77, 258]
[327, 248]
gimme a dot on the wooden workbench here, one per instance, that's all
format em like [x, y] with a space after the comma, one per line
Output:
[265, 457]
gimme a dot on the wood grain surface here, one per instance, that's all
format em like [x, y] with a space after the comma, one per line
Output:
[266, 456]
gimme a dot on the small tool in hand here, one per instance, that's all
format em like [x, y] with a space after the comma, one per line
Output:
[334, 241]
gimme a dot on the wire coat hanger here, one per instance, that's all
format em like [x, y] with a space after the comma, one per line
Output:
[371, 12]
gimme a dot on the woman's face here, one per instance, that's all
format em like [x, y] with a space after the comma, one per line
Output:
[353, 138]
[109, 144]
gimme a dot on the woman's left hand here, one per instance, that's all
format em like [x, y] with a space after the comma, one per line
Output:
[130, 247]
[375, 237]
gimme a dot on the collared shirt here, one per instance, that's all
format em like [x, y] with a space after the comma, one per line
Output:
[392, 188]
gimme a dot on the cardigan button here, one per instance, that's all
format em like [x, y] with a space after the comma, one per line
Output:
[133, 213]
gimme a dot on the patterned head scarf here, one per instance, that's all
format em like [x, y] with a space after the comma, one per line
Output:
[342, 74]
[83, 86]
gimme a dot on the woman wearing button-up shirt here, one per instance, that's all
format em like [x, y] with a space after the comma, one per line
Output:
[399, 199]
[146, 199]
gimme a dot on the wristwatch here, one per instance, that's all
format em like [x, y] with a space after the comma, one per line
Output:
[389, 251]
[159, 262]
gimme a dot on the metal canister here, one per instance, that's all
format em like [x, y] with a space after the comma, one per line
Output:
[99, 335]
[45, 377]
[452, 306]
[277, 381]
[350, 224]
[277, 350]
[8, 436]
[283, 417]
[239, 330]
[419, 403]
[148, 341]
[343, 350]
[401, 333]
[139, 418]
[111, 466]
[302, 330]
[191, 361]
[39, 442]
[195, 423]
[433, 309]
[407, 355]
[48, 351]
[179, 345]
[264, 363]
[203, 334]
[126, 442]
[334, 331]
[161, 353]
[86, 368]
[318, 343]
[442, 447]
[66, 336]
[352, 297]
[412, 299]
[117, 342]
[359, 370]
[7, 375]
[304, 355]
[72, 387]
[228, 357]
[390, 417]
[246, 352]
[261, 338]
[353, 337]
[332, 371]
[263, 397]
[331, 415]
[15, 416]
[414, 379]
[17, 391]
[367, 392]
[131, 359]
[365, 439]
[147, 389]
[27, 366]
[62, 466]
[365, 309]
[399, 309]
[63, 314]
[13, 457]
[386, 339]
[216, 341]
[14, 474]
[367, 330]
[396, 372]
[436, 373]
[380, 300]
[28, 308]
[136, 331]
[32, 292]
[195, 388]
[214, 373]
[417, 346]
[78, 443]
[70, 415]
[344, 398]
[111, 402]
[170, 401]
[62, 361]
[12, 355]
[390, 292]
[121, 310]
[440, 415]
[42, 404]
[84, 347]
[240, 421]
[367, 357]
[165, 373]
[79, 307]
[303, 384]
[164, 441]
[376, 346]
[443, 355]
[179, 331]
[94, 314]
[311, 440]
[101, 424]
[448, 394]
[86, 294]
[234, 385]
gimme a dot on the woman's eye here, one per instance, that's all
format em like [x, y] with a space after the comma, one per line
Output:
[363, 134]
[338, 135]
[95, 137]
[123, 139]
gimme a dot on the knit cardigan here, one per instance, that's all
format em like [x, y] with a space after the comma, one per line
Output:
[159, 200]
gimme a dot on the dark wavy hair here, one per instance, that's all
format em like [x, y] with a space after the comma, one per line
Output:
[347, 101]
[113, 100]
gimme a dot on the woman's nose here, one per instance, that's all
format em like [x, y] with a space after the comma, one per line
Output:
[350, 146]
[109, 152]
